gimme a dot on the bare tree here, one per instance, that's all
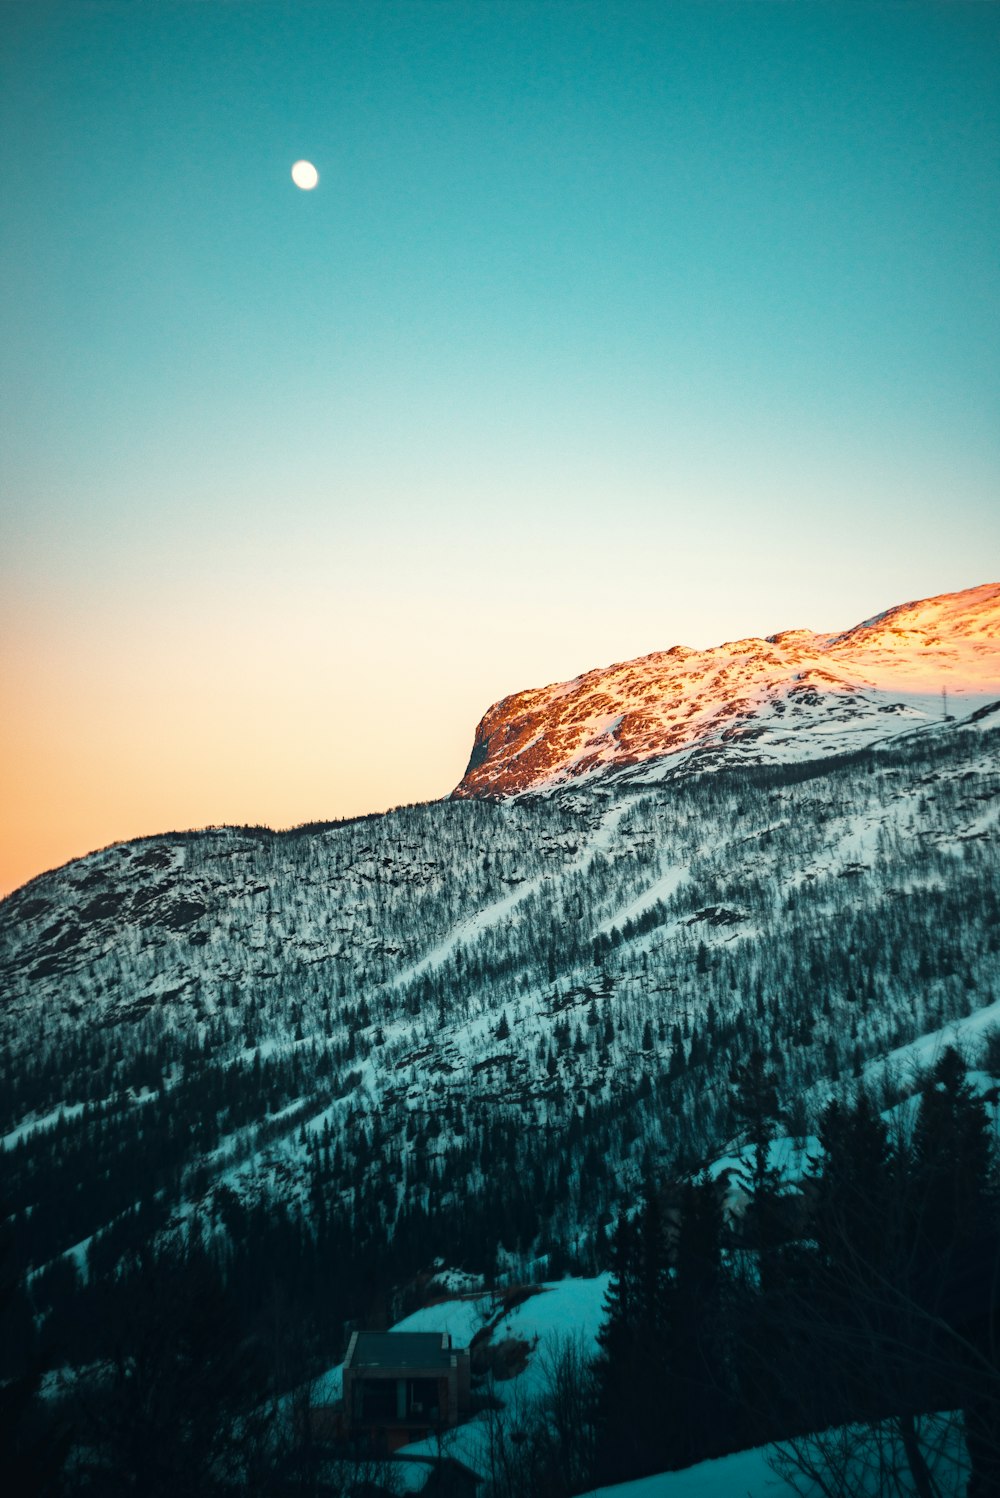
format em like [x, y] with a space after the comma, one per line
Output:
[543, 1442]
[877, 1458]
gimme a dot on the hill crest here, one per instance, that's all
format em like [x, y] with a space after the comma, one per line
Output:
[791, 696]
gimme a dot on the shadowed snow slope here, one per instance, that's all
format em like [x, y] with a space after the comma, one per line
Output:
[793, 696]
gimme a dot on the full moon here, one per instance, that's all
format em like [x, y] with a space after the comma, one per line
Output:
[305, 175]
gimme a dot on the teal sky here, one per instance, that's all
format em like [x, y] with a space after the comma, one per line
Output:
[608, 326]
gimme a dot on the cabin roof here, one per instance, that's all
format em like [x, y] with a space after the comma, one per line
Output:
[400, 1350]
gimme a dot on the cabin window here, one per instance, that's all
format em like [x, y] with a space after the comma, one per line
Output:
[422, 1397]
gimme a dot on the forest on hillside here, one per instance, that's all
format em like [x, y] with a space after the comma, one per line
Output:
[321, 1061]
[851, 1317]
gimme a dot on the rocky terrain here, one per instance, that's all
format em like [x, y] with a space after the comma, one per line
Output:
[795, 695]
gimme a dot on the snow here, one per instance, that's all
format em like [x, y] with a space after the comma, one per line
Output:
[319, 907]
[328, 1388]
[410, 1477]
[460, 1318]
[795, 695]
[573, 1309]
[78, 1253]
[921, 1054]
[568, 1310]
[661, 889]
[560, 1310]
[790, 1158]
[743, 1475]
[34, 1124]
[751, 1474]
[565, 1310]
[470, 930]
[458, 1281]
[31, 1126]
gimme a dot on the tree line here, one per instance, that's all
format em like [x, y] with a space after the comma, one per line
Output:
[868, 1298]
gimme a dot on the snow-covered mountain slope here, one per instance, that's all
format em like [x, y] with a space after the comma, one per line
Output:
[792, 696]
[471, 1027]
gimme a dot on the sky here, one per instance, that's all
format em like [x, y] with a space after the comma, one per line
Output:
[608, 327]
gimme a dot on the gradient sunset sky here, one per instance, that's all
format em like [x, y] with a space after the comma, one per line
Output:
[609, 326]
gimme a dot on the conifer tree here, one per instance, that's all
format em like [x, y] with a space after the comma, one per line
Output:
[755, 1104]
[31, 1454]
[956, 1231]
[950, 1188]
[854, 1186]
[700, 1408]
[622, 1439]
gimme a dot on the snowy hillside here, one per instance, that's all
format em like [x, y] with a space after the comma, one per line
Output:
[565, 1317]
[472, 1030]
[294, 1071]
[471, 1027]
[792, 696]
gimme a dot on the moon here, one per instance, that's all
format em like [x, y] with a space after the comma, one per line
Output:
[305, 175]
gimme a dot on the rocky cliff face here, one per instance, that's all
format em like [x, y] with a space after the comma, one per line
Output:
[792, 696]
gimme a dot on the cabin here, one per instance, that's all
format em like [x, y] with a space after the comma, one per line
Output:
[401, 1387]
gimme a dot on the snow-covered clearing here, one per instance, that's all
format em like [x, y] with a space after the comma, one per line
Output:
[565, 1311]
[790, 1158]
[469, 931]
[568, 1310]
[923, 1052]
[30, 1126]
[461, 1319]
[661, 889]
[873, 1467]
[743, 1475]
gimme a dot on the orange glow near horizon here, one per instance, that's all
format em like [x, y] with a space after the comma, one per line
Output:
[167, 729]
[132, 719]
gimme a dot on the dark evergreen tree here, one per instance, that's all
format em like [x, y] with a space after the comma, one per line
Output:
[855, 1188]
[955, 1224]
[700, 1412]
[755, 1106]
[172, 1410]
[950, 1190]
[32, 1448]
[624, 1446]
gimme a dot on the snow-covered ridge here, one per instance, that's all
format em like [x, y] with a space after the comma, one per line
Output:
[392, 1001]
[793, 696]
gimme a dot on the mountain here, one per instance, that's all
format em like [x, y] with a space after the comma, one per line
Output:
[471, 1029]
[791, 696]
